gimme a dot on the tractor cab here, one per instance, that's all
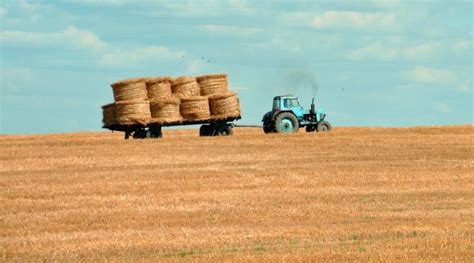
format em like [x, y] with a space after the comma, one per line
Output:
[288, 103]
[287, 115]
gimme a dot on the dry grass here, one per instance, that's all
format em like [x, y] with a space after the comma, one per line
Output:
[353, 194]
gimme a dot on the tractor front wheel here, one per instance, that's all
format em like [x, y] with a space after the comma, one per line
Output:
[286, 122]
[324, 126]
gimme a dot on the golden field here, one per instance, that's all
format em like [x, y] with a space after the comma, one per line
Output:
[362, 194]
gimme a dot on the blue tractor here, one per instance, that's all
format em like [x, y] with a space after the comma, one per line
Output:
[288, 116]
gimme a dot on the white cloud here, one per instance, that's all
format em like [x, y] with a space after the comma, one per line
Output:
[424, 50]
[27, 6]
[3, 12]
[14, 78]
[377, 51]
[387, 3]
[384, 51]
[205, 8]
[351, 19]
[432, 75]
[138, 55]
[106, 54]
[462, 45]
[465, 86]
[71, 36]
[235, 31]
[443, 108]
[303, 18]
[82, 39]
[195, 66]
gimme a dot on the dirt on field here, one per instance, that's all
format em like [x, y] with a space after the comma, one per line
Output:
[361, 194]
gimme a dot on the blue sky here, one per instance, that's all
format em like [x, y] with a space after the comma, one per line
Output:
[376, 63]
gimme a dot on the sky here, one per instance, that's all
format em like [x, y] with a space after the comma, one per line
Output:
[390, 63]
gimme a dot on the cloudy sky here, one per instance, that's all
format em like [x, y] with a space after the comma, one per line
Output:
[373, 63]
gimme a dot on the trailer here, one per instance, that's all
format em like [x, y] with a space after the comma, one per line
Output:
[209, 127]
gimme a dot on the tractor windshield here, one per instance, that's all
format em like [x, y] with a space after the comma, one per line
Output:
[293, 103]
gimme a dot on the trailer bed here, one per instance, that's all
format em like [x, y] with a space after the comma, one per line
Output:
[210, 127]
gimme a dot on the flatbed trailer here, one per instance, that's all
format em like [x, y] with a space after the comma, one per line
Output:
[209, 127]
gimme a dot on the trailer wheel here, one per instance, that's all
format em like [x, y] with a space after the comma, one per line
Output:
[154, 132]
[224, 130]
[205, 130]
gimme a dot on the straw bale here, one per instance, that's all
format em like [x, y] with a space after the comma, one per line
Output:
[130, 91]
[195, 108]
[158, 79]
[211, 76]
[183, 80]
[128, 81]
[165, 110]
[183, 87]
[224, 105]
[108, 113]
[213, 84]
[133, 112]
[159, 87]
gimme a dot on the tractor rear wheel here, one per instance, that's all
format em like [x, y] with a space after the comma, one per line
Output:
[286, 122]
[324, 126]
[267, 129]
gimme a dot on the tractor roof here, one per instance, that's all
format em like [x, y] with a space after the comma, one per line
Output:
[288, 96]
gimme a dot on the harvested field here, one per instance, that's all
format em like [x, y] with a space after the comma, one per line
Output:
[351, 194]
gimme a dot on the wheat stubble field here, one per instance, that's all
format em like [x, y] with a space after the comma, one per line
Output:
[352, 194]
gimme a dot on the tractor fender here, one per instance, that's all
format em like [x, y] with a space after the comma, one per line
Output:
[276, 113]
[270, 116]
[267, 117]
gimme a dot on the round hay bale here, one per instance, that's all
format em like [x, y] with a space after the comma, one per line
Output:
[213, 84]
[108, 114]
[130, 90]
[159, 87]
[224, 105]
[133, 112]
[183, 87]
[211, 76]
[128, 81]
[165, 110]
[195, 108]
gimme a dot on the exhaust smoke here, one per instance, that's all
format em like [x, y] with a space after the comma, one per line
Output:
[301, 80]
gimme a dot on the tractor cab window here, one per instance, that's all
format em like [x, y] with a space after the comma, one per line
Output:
[294, 103]
[291, 103]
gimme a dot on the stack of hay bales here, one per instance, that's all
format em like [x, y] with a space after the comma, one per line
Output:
[131, 102]
[163, 100]
[164, 106]
[223, 103]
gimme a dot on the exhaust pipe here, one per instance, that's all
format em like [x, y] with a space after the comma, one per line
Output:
[313, 109]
